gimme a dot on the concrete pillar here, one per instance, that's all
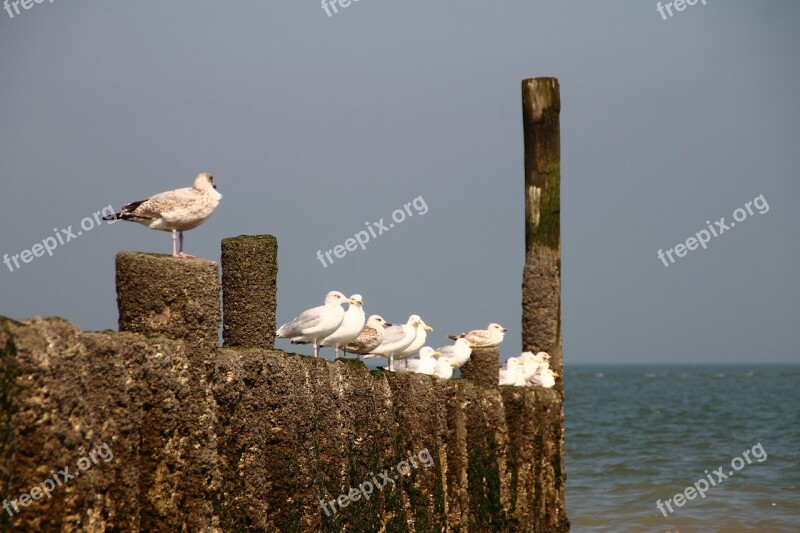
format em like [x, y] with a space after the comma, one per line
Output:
[249, 290]
[178, 299]
[483, 367]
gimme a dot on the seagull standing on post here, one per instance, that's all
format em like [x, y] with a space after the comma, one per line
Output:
[396, 339]
[484, 338]
[313, 325]
[371, 336]
[176, 211]
[350, 327]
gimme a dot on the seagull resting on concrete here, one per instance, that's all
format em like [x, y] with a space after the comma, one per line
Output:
[484, 338]
[313, 325]
[350, 327]
[176, 211]
[371, 336]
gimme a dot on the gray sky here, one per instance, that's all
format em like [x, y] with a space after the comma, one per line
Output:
[313, 125]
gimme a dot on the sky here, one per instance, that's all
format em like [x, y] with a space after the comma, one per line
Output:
[315, 127]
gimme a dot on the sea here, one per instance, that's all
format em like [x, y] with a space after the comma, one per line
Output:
[637, 435]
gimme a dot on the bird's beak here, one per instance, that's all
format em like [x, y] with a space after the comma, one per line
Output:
[556, 375]
[427, 327]
[389, 324]
[505, 330]
[214, 185]
[473, 345]
[437, 354]
[454, 364]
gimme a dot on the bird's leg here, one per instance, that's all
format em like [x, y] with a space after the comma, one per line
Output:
[174, 239]
[336, 352]
[181, 254]
[316, 349]
[391, 363]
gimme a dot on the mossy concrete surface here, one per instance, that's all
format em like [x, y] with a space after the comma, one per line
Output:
[287, 431]
[65, 393]
[249, 279]
[482, 366]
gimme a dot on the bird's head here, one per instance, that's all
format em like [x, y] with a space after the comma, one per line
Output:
[496, 327]
[335, 298]
[204, 181]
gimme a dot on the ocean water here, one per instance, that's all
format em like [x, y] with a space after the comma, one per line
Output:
[637, 434]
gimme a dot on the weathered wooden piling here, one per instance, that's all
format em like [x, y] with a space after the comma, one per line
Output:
[249, 290]
[541, 281]
[541, 278]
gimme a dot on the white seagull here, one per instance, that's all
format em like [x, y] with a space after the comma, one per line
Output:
[530, 364]
[421, 330]
[350, 327]
[484, 338]
[426, 364]
[315, 324]
[176, 211]
[459, 351]
[396, 339]
[444, 368]
[544, 377]
[510, 372]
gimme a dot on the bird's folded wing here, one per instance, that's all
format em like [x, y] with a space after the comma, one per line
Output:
[446, 351]
[169, 200]
[393, 334]
[308, 319]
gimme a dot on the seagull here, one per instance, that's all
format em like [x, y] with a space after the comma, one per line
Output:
[371, 336]
[176, 211]
[313, 325]
[458, 351]
[421, 330]
[426, 364]
[396, 339]
[510, 372]
[350, 327]
[544, 377]
[484, 338]
[530, 364]
[444, 368]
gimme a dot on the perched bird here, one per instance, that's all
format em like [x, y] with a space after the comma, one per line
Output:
[421, 330]
[396, 339]
[426, 364]
[350, 327]
[510, 372]
[315, 324]
[444, 368]
[530, 365]
[458, 351]
[176, 211]
[544, 377]
[371, 336]
[484, 338]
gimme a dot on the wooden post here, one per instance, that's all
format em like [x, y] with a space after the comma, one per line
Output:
[541, 284]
